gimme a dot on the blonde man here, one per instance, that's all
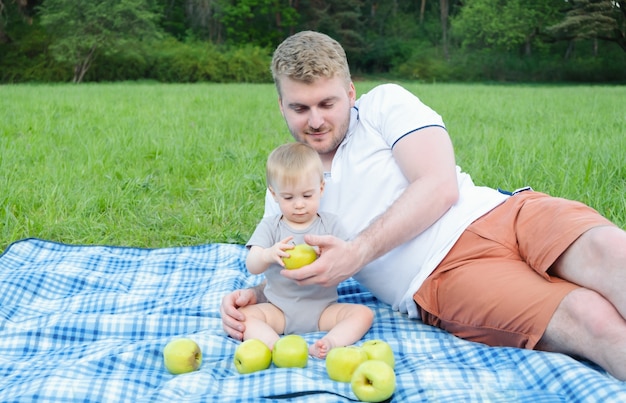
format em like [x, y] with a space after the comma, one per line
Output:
[522, 269]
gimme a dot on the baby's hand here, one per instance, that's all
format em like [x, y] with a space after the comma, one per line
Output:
[276, 253]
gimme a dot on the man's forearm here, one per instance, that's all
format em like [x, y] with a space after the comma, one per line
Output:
[410, 215]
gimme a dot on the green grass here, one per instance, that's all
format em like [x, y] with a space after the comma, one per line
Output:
[153, 165]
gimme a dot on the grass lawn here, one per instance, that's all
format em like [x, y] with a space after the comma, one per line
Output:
[153, 165]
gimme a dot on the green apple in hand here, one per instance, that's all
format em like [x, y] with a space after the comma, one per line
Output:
[252, 355]
[301, 255]
[341, 362]
[181, 356]
[379, 350]
[373, 381]
[290, 351]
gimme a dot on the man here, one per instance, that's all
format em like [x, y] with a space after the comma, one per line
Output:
[525, 270]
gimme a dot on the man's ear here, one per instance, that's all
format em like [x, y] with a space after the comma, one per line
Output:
[352, 94]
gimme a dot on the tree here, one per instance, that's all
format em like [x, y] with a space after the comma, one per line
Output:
[593, 19]
[263, 23]
[342, 20]
[203, 17]
[82, 29]
[22, 8]
[444, 17]
[4, 38]
[504, 24]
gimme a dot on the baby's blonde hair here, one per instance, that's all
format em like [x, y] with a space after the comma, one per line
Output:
[288, 163]
[307, 56]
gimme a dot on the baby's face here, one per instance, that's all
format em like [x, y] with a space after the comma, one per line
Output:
[300, 200]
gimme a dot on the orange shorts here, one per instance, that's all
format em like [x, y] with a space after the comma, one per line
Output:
[493, 286]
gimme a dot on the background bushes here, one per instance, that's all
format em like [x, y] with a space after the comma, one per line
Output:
[167, 60]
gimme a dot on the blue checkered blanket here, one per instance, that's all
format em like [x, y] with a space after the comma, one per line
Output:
[89, 323]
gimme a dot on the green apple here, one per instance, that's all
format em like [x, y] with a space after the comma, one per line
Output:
[252, 355]
[373, 381]
[341, 362]
[301, 255]
[290, 351]
[181, 356]
[379, 350]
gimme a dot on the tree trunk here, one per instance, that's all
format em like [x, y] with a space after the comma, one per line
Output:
[81, 68]
[4, 38]
[570, 49]
[528, 44]
[528, 49]
[621, 41]
[444, 27]
[295, 5]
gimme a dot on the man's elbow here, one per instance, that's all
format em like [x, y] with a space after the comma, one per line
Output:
[449, 194]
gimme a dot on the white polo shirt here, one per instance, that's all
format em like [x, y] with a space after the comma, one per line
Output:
[365, 180]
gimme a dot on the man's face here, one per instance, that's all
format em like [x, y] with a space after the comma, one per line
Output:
[318, 114]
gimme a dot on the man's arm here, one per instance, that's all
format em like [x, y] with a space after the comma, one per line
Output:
[426, 158]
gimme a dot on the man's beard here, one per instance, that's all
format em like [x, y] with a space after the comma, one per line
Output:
[337, 137]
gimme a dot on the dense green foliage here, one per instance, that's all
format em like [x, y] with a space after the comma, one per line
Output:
[148, 164]
[104, 26]
[210, 40]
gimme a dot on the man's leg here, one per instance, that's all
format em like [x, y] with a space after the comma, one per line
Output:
[590, 322]
[570, 246]
[597, 260]
[586, 325]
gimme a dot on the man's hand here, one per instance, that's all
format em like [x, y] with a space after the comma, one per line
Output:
[338, 261]
[232, 318]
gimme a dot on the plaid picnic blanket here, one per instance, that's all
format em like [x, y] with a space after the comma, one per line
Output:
[89, 323]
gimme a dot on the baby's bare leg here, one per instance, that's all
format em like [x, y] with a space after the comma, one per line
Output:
[345, 323]
[320, 348]
[264, 322]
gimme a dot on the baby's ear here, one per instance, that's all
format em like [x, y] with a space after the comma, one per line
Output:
[273, 193]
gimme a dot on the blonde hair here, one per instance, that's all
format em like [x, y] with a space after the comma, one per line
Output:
[288, 163]
[307, 56]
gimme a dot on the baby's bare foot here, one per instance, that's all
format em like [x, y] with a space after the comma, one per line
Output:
[320, 348]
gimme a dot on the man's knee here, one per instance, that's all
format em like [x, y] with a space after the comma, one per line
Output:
[583, 319]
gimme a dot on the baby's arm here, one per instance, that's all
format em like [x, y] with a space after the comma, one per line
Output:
[259, 259]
